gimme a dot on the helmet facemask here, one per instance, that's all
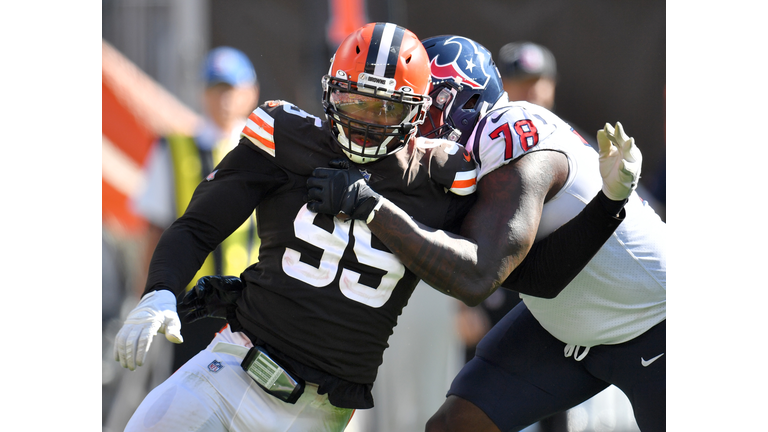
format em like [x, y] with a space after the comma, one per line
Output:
[375, 94]
[438, 123]
[369, 118]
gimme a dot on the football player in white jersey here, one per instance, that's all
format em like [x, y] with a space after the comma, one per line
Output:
[559, 346]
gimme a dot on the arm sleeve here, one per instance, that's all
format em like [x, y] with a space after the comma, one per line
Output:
[217, 208]
[554, 261]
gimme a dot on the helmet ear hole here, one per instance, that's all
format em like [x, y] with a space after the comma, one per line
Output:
[408, 60]
[471, 102]
[357, 50]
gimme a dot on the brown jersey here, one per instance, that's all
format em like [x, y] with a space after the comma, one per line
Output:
[325, 292]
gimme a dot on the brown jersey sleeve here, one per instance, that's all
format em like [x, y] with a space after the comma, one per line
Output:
[219, 205]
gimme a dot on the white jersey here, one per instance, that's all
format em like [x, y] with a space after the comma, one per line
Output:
[621, 293]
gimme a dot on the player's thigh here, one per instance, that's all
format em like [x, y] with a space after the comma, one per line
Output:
[639, 369]
[313, 412]
[203, 395]
[184, 401]
[520, 374]
[212, 393]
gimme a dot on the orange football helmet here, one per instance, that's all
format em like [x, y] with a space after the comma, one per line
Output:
[375, 94]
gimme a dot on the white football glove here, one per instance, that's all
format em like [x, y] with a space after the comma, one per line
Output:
[620, 162]
[156, 312]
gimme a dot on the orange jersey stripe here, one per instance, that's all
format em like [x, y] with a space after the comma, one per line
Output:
[461, 184]
[261, 123]
[269, 144]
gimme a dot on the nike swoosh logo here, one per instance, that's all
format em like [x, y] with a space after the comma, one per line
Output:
[466, 156]
[494, 120]
[647, 363]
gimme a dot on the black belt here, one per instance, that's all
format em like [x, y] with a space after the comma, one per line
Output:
[341, 393]
[266, 372]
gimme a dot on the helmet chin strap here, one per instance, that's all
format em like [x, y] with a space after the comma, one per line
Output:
[357, 158]
[347, 144]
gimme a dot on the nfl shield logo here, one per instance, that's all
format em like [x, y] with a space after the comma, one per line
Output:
[215, 366]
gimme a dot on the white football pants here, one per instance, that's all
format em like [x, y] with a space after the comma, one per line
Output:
[212, 392]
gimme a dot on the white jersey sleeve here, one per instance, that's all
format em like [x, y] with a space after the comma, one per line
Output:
[621, 293]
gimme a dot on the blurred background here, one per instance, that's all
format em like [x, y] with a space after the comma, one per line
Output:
[610, 55]
[611, 66]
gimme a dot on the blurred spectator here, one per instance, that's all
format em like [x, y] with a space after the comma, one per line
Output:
[179, 163]
[529, 73]
[173, 170]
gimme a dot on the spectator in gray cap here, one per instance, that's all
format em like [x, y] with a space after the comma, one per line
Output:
[529, 73]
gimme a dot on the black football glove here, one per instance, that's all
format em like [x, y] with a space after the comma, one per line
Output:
[341, 190]
[212, 296]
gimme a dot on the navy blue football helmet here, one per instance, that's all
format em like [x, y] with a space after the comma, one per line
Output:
[465, 85]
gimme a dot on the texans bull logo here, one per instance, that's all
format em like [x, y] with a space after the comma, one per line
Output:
[460, 67]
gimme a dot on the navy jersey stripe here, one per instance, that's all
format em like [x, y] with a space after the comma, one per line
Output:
[476, 143]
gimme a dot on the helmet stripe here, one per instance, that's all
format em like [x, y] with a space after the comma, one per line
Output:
[394, 51]
[384, 50]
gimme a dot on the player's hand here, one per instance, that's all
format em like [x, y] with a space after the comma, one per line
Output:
[341, 191]
[211, 297]
[155, 313]
[620, 162]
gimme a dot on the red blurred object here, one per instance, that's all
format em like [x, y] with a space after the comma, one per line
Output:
[135, 110]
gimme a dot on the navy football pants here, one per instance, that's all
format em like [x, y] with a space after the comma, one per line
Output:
[520, 374]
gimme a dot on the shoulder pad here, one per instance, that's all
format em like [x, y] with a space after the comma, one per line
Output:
[450, 165]
[260, 127]
[296, 140]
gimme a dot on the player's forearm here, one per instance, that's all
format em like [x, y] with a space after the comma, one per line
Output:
[176, 259]
[553, 262]
[445, 261]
